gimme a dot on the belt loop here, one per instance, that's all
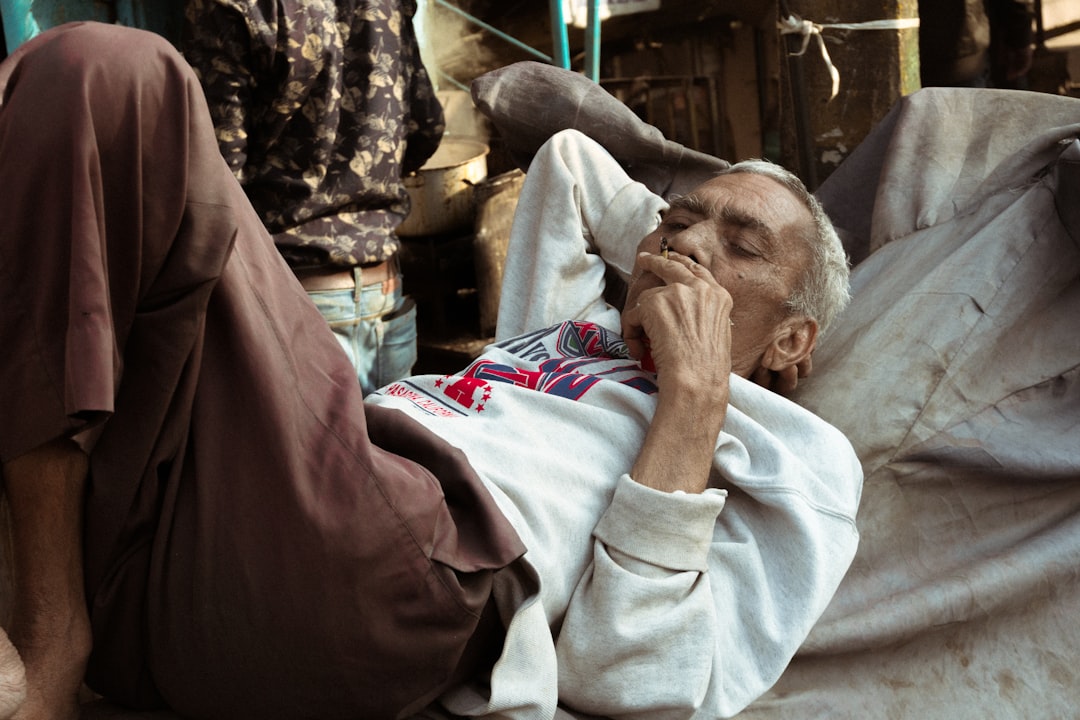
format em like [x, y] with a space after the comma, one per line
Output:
[358, 282]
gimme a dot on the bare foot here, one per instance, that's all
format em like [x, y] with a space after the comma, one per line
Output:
[12, 678]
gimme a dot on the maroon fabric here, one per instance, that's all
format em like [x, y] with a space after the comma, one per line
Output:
[249, 551]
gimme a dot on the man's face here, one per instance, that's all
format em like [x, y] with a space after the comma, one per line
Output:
[746, 229]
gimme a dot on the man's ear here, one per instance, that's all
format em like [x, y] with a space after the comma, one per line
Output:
[792, 344]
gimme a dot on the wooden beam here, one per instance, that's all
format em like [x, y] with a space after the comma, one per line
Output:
[877, 65]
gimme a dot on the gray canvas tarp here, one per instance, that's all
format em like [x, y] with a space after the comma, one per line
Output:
[955, 375]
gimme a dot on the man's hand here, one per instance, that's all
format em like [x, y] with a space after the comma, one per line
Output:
[685, 324]
[785, 381]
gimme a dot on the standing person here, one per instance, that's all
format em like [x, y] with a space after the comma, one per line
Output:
[320, 107]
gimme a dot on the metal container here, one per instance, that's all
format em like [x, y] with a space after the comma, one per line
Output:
[496, 201]
[441, 193]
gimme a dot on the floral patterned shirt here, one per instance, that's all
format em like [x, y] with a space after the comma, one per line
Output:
[320, 108]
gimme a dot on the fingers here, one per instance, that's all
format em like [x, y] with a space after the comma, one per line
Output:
[782, 382]
[763, 376]
[806, 366]
[671, 270]
[680, 317]
[634, 337]
[674, 268]
[786, 380]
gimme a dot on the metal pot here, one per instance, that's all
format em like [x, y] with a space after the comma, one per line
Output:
[441, 193]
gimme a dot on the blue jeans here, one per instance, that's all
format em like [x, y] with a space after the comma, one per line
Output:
[377, 331]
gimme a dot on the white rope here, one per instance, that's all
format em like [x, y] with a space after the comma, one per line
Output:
[794, 25]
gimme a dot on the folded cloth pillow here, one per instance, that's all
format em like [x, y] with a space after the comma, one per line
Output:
[528, 102]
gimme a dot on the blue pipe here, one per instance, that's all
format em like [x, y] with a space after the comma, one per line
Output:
[592, 41]
[559, 36]
[452, 81]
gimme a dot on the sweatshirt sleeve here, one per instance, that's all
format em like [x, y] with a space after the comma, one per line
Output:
[579, 212]
[648, 583]
[694, 605]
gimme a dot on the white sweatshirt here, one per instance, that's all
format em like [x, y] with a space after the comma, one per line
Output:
[647, 604]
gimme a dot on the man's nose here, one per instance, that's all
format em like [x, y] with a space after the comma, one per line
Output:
[692, 242]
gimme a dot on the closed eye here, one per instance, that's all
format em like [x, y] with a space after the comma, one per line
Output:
[744, 250]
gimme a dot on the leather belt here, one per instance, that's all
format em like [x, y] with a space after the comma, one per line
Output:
[337, 278]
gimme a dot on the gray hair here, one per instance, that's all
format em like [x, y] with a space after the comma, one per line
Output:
[822, 291]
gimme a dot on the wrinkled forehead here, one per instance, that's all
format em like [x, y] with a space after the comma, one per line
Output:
[752, 202]
[752, 195]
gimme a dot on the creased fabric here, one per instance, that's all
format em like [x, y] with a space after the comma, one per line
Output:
[955, 375]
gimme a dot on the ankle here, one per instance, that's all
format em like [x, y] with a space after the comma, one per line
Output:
[12, 678]
[55, 646]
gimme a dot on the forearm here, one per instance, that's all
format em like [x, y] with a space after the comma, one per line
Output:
[678, 450]
[689, 341]
[691, 606]
[640, 631]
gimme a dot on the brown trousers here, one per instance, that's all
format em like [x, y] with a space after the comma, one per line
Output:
[258, 542]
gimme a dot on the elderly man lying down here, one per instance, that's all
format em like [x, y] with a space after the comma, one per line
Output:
[955, 373]
[603, 510]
